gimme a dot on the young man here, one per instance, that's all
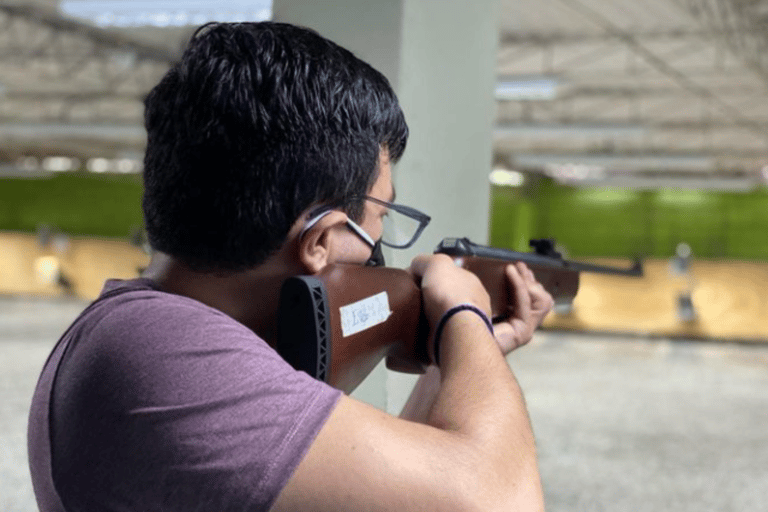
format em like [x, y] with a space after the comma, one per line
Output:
[269, 155]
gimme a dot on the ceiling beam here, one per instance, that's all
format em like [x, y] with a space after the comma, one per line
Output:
[656, 156]
[104, 38]
[128, 133]
[742, 24]
[70, 96]
[647, 124]
[509, 39]
[652, 58]
[621, 91]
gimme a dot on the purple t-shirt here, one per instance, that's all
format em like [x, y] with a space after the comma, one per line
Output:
[156, 402]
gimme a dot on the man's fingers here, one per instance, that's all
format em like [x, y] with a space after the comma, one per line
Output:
[505, 336]
[419, 265]
[541, 297]
[502, 330]
[528, 273]
[515, 273]
[541, 301]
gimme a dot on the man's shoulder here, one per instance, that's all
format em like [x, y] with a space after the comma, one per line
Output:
[181, 382]
[142, 296]
[133, 324]
[137, 307]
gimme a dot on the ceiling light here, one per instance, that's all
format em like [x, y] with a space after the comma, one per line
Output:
[114, 165]
[618, 162]
[662, 181]
[506, 178]
[518, 88]
[575, 172]
[166, 13]
[60, 163]
[570, 130]
[97, 165]
[128, 165]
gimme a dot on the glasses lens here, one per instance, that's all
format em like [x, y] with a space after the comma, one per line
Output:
[399, 229]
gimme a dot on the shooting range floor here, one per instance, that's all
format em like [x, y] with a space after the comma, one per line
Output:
[622, 424]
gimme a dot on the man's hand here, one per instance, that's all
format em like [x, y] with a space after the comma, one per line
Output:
[444, 285]
[530, 304]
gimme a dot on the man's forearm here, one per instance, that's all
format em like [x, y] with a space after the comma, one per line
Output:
[479, 398]
[422, 396]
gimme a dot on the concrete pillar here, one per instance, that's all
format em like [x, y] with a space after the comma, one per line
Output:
[440, 57]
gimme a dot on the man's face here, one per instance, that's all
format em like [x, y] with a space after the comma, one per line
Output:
[353, 249]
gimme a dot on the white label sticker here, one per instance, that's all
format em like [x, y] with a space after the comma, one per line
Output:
[364, 314]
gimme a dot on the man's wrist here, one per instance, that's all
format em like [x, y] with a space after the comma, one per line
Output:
[450, 313]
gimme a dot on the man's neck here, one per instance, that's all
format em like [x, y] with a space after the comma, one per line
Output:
[250, 296]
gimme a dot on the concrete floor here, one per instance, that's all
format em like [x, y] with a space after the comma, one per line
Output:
[648, 425]
[622, 424]
[28, 331]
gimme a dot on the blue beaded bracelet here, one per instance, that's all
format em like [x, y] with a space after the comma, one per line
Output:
[447, 316]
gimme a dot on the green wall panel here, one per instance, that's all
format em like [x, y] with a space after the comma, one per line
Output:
[613, 222]
[78, 204]
[513, 216]
[688, 216]
[607, 222]
[746, 224]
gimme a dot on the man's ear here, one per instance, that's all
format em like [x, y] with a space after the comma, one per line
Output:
[316, 244]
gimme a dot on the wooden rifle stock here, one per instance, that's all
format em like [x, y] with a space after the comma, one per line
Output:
[338, 324]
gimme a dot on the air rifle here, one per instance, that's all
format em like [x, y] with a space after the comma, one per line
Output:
[338, 324]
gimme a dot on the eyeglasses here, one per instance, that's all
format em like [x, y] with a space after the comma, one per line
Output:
[402, 225]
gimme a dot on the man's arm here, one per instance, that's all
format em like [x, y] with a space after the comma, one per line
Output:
[475, 451]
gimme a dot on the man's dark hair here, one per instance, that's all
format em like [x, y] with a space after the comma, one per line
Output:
[256, 123]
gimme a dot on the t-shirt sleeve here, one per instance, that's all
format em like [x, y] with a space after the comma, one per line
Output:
[185, 410]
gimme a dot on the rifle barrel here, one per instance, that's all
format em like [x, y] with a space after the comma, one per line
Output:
[459, 247]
